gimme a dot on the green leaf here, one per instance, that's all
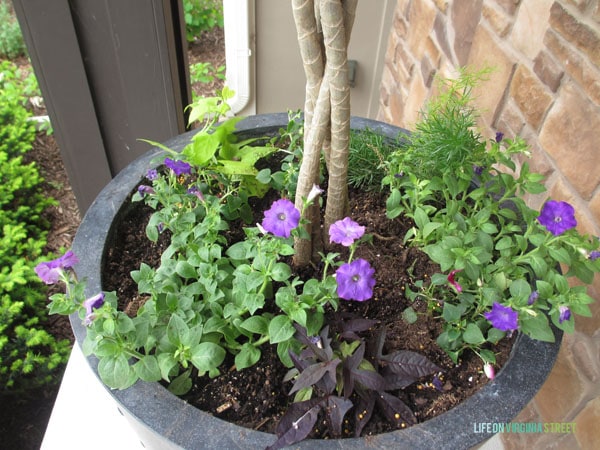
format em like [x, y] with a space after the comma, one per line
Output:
[409, 315]
[147, 368]
[283, 349]
[421, 218]
[201, 150]
[186, 270]
[280, 329]
[520, 289]
[504, 243]
[256, 324]
[176, 330]
[247, 357]
[452, 313]
[166, 364]
[430, 227]
[560, 255]
[487, 356]
[239, 251]
[489, 228]
[264, 176]
[473, 335]
[236, 168]
[252, 302]
[441, 255]
[537, 327]
[251, 154]
[109, 326]
[544, 288]
[204, 106]
[538, 264]
[116, 372]
[494, 335]
[182, 384]
[207, 356]
[281, 272]
[107, 347]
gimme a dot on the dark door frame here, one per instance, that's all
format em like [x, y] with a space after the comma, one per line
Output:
[111, 72]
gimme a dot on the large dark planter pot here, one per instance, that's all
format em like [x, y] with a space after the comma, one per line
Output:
[164, 421]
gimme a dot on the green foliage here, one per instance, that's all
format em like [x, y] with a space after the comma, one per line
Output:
[469, 216]
[11, 39]
[445, 138]
[205, 72]
[209, 297]
[29, 356]
[202, 15]
[369, 152]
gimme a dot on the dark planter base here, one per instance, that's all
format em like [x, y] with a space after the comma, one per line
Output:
[163, 421]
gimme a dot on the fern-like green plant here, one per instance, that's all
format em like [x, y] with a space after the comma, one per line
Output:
[445, 138]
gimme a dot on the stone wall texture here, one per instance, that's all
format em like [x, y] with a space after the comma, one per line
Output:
[545, 87]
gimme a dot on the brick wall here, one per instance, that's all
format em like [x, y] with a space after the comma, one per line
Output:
[545, 87]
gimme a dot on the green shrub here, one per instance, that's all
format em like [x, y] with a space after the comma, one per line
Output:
[11, 39]
[29, 355]
[202, 15]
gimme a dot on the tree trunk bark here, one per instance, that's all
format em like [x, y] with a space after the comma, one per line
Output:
[327, 110]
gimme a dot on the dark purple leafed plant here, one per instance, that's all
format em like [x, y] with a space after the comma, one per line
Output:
[336, 381]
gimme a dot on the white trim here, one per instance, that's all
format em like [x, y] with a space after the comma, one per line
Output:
[236, 19]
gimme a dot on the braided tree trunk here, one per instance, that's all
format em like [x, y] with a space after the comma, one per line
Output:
[324, 28]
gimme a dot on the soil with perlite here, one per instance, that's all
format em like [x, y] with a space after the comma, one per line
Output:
[257, 397]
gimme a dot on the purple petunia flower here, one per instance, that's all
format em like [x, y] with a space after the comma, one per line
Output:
[178, 167]
[194, 190]
[90, 304]
[478, 170]
[281, 218]
[504, 318]
[453, 282]
[533, 297]
[565, 314]
[50, 271]
[557, 217]
[144, 190]
[152, 174]
[355, 280]
[594, 255]
[345, 232]
[499, 136]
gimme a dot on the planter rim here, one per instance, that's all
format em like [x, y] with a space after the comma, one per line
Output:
[187, 427]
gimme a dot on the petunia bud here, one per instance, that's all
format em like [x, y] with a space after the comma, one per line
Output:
[489, 371]
[314, 193]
